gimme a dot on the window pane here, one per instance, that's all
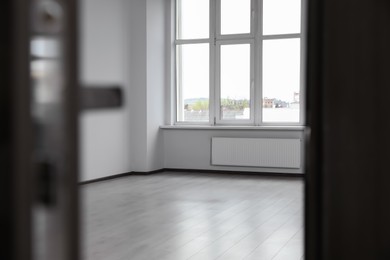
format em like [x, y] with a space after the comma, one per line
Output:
[235, 16]
[193, 82]
[281, 16]
[192, 19]
[235, 81]
[281, 80]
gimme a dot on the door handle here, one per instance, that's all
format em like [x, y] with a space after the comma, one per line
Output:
[100, 97]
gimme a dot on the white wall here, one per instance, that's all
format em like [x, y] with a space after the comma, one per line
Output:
[123, 42]
[137, 76]
[156, 88]
[104, 134]
[147, 82]
[191, 149]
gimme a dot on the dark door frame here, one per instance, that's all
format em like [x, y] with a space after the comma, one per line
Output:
[348, 92]
[15, 137]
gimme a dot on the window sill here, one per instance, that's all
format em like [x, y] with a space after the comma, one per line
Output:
[209, 127]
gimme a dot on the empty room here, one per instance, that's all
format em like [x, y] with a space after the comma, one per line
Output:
[204, 157]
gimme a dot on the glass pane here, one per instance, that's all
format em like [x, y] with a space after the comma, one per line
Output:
[192, 19]
[235, 81]
[235, 16]
[47, 81]
[193, 82]
[281, 80]
[281, 16]
[44, 47]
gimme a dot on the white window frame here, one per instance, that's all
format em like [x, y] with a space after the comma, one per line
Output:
[255, 38]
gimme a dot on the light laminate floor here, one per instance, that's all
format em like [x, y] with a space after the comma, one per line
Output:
[178, 216]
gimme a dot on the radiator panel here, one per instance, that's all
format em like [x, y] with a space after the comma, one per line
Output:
[256, 152]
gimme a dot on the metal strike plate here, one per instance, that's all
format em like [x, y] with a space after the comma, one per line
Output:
[48, 17]
[46, 186]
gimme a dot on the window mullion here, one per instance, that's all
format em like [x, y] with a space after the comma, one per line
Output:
[281, 36]
[252, 82]
[302, 117]
[217, 63]
[179, 93]
[213, 96]
[256, 91]
[191, 41]
[259, 69]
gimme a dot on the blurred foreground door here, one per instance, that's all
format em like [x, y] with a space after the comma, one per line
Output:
[38, 139]
[348, 180]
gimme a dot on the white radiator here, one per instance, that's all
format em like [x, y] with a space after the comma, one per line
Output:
[256, 152]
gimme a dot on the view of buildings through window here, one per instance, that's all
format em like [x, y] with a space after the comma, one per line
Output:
[238, 61]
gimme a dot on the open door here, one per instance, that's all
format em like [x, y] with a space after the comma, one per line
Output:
[54, 110]
[39, 104]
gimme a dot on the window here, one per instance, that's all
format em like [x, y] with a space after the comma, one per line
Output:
[239, 62]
